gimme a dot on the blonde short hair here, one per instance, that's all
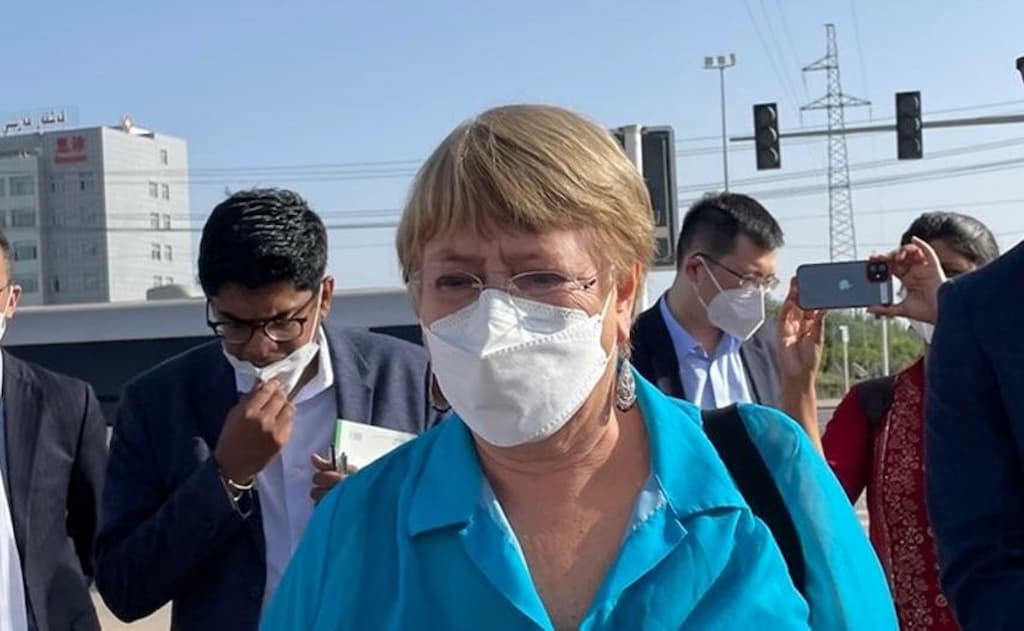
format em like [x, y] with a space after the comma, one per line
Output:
[530, 168]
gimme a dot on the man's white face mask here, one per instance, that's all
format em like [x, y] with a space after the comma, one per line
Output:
[287, 371]
[738, 312]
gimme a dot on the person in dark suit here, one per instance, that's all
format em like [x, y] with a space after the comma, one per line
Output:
[214, 469]
[705, 339]
[974, 444]
[53, 449]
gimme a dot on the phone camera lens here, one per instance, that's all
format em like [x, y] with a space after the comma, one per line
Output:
[878, 272]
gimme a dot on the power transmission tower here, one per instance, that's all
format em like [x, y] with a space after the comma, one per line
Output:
[842, 235]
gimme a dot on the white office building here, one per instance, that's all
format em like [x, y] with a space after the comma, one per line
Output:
[95, 215]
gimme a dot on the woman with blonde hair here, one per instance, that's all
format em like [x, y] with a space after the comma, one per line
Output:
[565, 491]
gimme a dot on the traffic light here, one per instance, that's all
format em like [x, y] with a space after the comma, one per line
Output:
[620, 136]
[766, 136]
[659, 161]
[909, 144]
[657, 153]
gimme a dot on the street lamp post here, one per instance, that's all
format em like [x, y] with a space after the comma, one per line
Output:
[844, 332]
[720, 63]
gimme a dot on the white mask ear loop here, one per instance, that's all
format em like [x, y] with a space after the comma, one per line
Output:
[696, 288]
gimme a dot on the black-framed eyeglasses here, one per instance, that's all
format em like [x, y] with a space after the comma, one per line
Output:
[284, 329]
[767, 283]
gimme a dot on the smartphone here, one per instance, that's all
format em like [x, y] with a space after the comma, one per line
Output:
[845, 285]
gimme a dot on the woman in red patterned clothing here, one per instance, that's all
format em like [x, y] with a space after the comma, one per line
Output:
[875, 438]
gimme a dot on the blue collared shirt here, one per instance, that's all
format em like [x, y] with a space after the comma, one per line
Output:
[709, 381]
[411, 542]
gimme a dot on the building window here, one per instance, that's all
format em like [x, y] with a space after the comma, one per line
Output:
[23, 218]
[29, 283]
[154, 221]
[165, 191]
[167, 222]
[91, 281]
[25, 251]
[154, 190]
[163, 156]
[23, 186]
[168, 253]
[55, 283]
[168, 280]
[155, 251]
[158, 281]
[3, 217]
[3, 183]
[90, 248]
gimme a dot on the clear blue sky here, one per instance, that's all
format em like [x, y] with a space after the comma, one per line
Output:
[272, 84]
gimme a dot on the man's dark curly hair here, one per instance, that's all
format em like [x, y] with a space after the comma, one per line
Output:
[260, 237]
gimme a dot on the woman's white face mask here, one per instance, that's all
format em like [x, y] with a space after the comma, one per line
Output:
[514, 370]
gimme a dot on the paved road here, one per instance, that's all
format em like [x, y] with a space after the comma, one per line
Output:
[161, 621]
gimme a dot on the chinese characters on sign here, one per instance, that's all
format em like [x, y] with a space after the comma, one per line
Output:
[70, 149]
[36, 121]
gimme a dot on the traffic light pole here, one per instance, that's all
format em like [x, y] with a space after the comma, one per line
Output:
[976, 121]
[632, 141]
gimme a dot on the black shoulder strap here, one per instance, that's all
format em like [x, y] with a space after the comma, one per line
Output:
[875, 396]
[729, 435]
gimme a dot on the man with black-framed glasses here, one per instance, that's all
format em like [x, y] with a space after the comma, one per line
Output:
[215, 468]
[704, 341]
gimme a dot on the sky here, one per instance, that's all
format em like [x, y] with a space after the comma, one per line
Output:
[342, 100]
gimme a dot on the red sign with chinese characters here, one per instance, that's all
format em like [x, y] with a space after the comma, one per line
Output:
[70, 149]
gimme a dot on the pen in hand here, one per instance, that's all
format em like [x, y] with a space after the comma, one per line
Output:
[339, 461]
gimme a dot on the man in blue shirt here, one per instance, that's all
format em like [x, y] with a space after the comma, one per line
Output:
[705, 341]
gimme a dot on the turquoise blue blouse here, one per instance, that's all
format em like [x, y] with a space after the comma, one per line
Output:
[418, 541]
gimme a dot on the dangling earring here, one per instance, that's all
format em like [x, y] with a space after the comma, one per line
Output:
[625, 387]
[437, 400]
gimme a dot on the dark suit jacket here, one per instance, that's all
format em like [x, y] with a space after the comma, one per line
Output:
[56, 453]
[974, 444]
[655, 358]
[168, 530]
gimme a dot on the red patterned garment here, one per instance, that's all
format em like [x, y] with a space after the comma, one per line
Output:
[889, 462]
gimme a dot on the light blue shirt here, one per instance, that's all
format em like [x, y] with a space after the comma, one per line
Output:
[415, 541]
[709, 381]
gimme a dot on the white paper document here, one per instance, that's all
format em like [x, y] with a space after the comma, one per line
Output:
[361, 444]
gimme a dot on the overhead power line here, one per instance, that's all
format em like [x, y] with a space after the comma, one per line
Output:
[860, 166]
[890, 180]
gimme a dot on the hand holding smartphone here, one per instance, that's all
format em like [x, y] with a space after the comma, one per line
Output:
[845, 285]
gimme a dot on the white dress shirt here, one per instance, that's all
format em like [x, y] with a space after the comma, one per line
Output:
[284, 484]
[13, 610]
